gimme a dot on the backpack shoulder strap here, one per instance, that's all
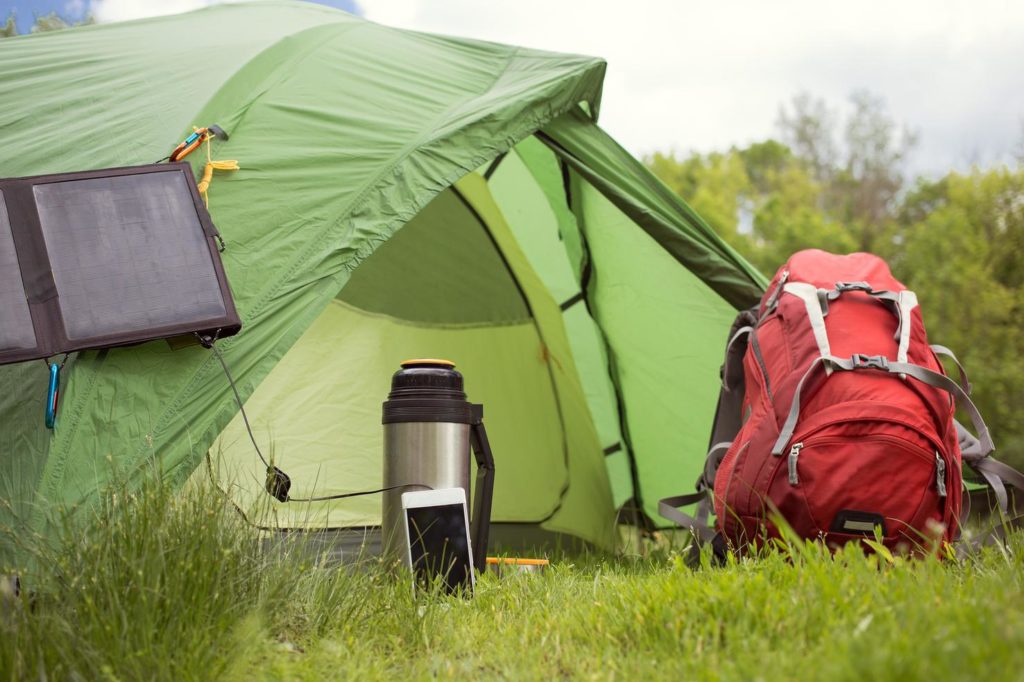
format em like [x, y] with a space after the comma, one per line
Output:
[729, 411]
[727, 422]
[996, 474]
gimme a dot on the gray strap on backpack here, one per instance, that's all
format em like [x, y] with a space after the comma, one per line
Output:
[881, 363]
[964, 381]
[997, 476]
[975, 450]
[669, 508]
[816, 302]
[995, 473]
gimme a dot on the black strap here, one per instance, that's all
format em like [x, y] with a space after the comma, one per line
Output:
[572, 300]
[494, 165]
[612, 449]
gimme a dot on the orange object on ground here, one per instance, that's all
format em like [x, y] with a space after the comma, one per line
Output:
[509, 565]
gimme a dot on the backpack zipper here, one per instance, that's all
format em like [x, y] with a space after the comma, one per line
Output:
[794, 457]
[794, 454]
[773, 300]
[940, 474]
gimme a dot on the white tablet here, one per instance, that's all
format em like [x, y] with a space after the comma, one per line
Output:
[437, 538]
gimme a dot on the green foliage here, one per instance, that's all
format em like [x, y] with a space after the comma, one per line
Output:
[49, 22]
[958, 242]
[174, 586]
[762, 199]
[10, 29]
[43, 24]
[961, 250]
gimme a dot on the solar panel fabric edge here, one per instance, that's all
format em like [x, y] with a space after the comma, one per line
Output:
[41, 288]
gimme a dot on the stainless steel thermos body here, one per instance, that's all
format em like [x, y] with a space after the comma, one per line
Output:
[420, 456]
[430, 432]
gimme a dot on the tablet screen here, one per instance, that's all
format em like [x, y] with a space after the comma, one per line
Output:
[439, 545]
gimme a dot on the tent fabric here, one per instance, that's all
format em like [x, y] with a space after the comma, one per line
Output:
[663, 327]
[322, 401]
[659, 326]
[653, 207]
[528, 188]
[346, 131]
[448, 247]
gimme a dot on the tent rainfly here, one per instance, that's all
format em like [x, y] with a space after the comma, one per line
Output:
[401, 195]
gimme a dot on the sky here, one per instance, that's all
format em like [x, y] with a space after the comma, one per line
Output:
[702, 76]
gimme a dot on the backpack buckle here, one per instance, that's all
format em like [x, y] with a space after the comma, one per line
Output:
[861, 361]
[853, 286]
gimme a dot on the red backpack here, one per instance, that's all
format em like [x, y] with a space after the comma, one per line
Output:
[836, 414]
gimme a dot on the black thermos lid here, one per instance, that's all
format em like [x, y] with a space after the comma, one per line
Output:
[427, 390]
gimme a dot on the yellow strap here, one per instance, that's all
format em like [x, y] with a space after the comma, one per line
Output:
[211, 165]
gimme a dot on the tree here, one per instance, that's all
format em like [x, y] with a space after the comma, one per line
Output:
[763, 200]
[865, 191]
[788, 217]
[962, 251]
[50, 22]
[861, 178]
[809, 130]
[715, 186]
[43, 24]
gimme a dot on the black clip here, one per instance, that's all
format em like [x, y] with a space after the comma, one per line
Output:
[205, 340]
[278, 484]
[861, 361]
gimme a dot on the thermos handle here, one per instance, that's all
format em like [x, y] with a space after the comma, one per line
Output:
[481, 521]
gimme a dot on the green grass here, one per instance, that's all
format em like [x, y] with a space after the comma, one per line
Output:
[172, 586]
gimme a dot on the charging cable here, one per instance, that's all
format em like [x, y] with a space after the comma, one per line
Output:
[278, 482]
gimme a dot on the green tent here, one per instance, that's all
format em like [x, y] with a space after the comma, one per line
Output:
[400, 195]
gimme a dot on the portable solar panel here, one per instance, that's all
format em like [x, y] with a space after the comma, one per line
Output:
[107, 258]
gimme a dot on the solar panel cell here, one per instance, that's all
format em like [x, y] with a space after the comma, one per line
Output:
[105, 258]
[128, 254]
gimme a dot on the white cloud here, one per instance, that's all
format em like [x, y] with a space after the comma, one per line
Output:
[699, 75]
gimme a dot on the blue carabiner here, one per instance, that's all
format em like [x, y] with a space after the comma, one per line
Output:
[53, 396]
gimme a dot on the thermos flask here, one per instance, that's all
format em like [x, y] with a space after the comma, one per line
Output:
[430, 429]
